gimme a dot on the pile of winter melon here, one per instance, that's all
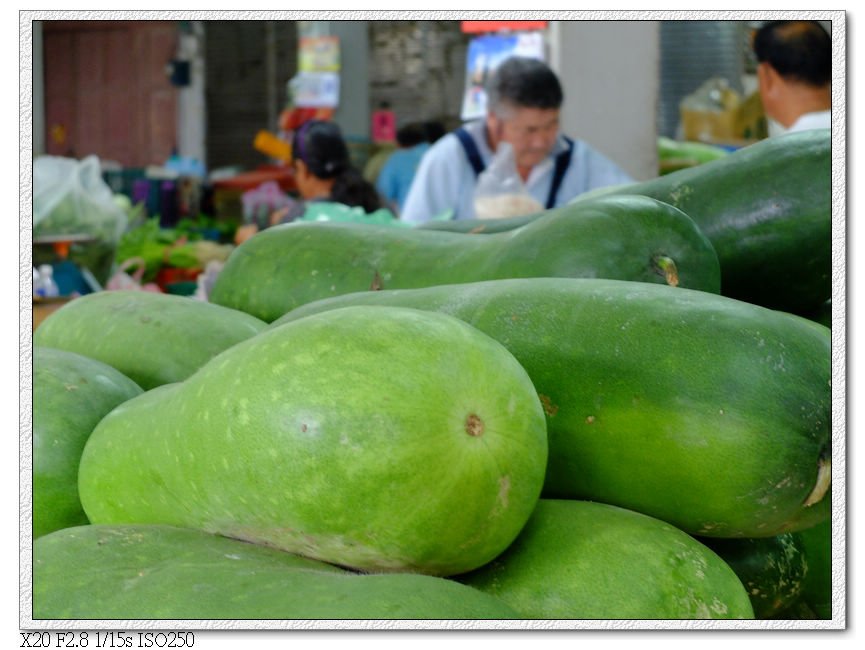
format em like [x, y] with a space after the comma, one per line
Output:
[569, 419]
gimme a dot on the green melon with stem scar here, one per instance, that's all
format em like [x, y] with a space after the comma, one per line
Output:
[624, 237]
[708, 412]
[379, 439]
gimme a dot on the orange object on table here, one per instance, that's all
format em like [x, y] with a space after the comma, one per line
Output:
[273, 146]
[62, 243]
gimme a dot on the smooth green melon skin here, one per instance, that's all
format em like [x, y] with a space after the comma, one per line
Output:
[284, 267]
[379, 439]
[767, 209]
[71, 394]
[478, 226]
[772, 569]
[153, 338]
[139, 572]
[707, 412]
[586, 560]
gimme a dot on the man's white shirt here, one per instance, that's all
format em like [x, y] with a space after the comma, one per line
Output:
[445, 179]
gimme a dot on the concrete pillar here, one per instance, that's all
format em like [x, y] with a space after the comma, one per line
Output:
[609, 72]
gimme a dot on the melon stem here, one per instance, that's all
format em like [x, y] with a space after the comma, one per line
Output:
[821, 485]
[666, 267]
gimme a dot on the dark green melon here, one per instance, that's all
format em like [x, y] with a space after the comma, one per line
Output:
[71, 394]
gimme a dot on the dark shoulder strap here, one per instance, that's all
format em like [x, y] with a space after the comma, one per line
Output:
[471, 150]
[563, 160]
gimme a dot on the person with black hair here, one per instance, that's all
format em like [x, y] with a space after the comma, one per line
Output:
[794, 74]
[323, 172]
[524, 99]
[397, 173]
[434, 130]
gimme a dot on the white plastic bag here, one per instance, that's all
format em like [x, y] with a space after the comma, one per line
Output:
[71, 198]
[206, 279]
[261, 202]
[122, 280]
[500, 192]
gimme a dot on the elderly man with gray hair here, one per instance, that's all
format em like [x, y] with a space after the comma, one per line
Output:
[523, 105]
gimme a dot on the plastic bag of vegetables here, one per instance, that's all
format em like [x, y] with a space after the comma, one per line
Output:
[71, 198]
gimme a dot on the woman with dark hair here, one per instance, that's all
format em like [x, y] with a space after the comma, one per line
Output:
[323, 169]
[323, 172]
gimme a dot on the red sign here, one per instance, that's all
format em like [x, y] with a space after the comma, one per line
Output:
[383, 126]
[478, 26]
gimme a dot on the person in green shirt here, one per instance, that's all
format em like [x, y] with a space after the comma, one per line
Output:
[323, 172]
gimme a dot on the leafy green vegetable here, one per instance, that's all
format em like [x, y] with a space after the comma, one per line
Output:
[149, 242]
[176, 247]
[203, 225]
[182, 256]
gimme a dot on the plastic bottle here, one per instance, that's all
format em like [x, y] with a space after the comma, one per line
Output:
[44, 285]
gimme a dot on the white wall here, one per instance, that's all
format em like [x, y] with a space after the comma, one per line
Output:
[353, 113]
[609, 71]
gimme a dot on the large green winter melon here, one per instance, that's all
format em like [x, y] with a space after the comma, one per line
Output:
[164, 572]
[624, 237]
[586, 560]
[381, 439]
[767, 209]
[71, 394]
[708, 412]
[153, 338]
